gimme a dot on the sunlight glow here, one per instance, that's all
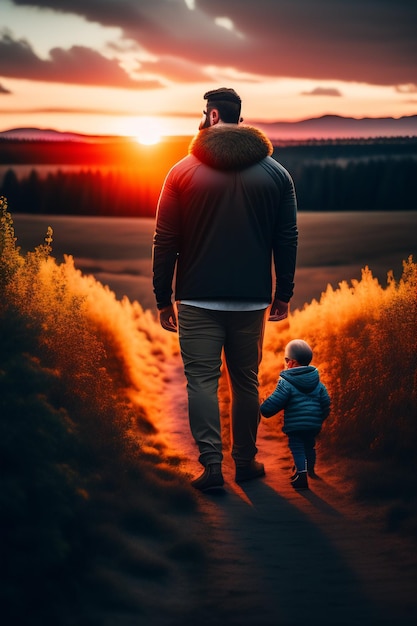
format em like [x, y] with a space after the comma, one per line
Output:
[148, 131]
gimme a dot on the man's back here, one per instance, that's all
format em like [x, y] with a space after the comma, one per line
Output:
[235, 207]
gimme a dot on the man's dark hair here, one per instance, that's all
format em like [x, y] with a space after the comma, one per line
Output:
[227, 102]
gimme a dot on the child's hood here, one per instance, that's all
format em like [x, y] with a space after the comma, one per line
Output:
[304, 378]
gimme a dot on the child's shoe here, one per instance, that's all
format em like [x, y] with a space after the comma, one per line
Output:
[311, 471]
[299, 481]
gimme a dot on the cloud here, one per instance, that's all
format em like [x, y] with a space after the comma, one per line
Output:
[410, 88]
[175, 69]
[78, 65]
[3, 89]
[370, 41]
[322, 91]
[66, 110]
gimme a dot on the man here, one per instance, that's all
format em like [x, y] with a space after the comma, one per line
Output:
[225, 212]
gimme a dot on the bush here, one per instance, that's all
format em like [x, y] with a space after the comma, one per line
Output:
[80, 452]
[364, 342]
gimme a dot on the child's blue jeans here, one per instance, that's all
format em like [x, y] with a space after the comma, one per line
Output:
[302, 444]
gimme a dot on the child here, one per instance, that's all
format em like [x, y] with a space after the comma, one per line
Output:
[306, 405]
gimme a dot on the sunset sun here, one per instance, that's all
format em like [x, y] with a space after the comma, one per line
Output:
[148, 131]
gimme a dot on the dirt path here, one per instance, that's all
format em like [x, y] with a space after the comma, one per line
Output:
[282, 558]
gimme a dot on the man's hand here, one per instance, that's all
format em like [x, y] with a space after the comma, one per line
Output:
[168, 319]
[279, 311]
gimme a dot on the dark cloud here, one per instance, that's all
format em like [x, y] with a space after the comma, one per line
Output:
[370, 41]
[78, 65]
[322, 91]
[3, 89]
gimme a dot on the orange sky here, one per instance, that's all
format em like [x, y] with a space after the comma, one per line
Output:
[102, 66]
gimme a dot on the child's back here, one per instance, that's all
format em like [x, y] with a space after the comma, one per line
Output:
[306, 405]
[303, 397]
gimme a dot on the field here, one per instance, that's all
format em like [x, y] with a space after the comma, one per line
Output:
[100, 522]
[333, 247]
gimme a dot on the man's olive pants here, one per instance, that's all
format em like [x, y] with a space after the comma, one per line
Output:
[204, 336]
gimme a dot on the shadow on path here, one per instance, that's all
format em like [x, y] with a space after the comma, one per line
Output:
[273, 565]
[287, 558]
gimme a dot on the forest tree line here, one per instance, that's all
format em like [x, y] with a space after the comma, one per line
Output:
[357, 178]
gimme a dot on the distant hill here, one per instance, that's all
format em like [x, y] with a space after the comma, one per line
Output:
[47, 134]
[321, 128]
[337, 127]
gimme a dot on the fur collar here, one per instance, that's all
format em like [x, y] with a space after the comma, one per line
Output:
[230, 147]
